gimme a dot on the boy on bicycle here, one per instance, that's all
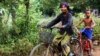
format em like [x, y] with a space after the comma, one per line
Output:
[66, 29]
[89, 24]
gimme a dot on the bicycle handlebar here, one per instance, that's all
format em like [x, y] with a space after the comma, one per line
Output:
[58, 27]
[51, 27]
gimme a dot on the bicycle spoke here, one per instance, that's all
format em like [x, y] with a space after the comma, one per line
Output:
[76, 48]
[38, 50]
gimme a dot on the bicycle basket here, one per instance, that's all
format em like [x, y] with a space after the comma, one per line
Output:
[46, 36]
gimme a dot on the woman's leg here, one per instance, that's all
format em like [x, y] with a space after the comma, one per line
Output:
[65, 47]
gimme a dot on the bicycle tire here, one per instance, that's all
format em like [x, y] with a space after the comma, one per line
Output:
[49, 51]
[86, 48]
[42, 50]
[76, 47]
[38, 50]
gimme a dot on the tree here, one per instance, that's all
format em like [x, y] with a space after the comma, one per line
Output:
[26, 3]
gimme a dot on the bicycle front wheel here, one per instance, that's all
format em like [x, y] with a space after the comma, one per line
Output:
[42, 50]
[38, 50]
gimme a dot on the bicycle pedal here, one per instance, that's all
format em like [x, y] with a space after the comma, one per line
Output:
[71, 54]
[60, 54]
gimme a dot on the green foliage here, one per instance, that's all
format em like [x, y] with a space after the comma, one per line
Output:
[20, 48]
[17, 37]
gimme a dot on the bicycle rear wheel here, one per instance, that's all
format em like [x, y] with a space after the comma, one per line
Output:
[76, 48]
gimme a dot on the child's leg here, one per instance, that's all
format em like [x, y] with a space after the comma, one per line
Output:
[91, 44]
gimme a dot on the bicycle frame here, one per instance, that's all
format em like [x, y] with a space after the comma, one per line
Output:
[85, 44]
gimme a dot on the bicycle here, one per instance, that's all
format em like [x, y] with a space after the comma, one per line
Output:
[48, 49]
[75, 44]
[85, 44]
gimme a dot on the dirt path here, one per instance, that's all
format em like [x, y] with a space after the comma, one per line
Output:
[96, 51]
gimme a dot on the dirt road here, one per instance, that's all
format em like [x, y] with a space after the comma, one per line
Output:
[96, 51]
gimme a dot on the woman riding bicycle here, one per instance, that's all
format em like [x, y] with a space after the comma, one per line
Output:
[65, 30]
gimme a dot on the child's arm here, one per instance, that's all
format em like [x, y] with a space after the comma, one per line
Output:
[80, 22]
[93, 24]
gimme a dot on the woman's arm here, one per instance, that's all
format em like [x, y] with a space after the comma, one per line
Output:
[69, 21]
[53, 22]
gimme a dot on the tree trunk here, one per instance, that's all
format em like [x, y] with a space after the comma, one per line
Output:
[26, 2]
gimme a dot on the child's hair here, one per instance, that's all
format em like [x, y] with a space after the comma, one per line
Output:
[87, 10]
